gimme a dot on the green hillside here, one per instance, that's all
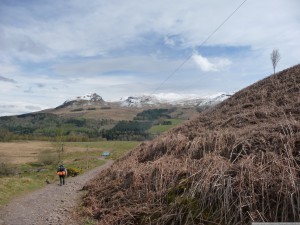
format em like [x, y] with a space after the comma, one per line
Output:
[52, 127]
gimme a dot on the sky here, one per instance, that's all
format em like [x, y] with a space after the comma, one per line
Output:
[54, 50]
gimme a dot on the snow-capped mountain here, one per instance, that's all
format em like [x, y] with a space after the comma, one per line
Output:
[155, 100]
[139, 101]
[172, 99]
[92, 99]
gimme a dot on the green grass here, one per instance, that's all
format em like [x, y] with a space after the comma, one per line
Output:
[11, 186]
[158, 129]
[116, 148]
[29, 179]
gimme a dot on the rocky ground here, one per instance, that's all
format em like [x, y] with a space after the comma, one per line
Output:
[52, 204]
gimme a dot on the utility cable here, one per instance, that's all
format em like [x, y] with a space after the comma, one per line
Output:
[203, 42]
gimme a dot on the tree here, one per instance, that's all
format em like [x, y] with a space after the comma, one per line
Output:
[275, 57]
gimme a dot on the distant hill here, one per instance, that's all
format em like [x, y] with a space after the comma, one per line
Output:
[86, 100]
[234, 164]
[93, 106]
[89, 117]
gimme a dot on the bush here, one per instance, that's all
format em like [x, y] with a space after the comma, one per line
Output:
[167, 122]
[74, 171]
[6, 169]
[48, 157]
[77, 110]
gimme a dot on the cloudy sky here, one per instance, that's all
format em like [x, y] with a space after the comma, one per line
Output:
[53, 50]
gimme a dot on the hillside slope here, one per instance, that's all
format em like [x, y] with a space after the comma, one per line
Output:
[92, 106]
[236, 163]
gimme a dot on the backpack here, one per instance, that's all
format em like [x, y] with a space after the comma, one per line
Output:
[61, 170]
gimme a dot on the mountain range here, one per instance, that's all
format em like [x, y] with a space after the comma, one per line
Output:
[140, 101]
[90, 116]
[95, 107]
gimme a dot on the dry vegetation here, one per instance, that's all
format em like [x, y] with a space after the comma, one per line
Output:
[22, 151]
[117, 112]
[114, 112]
[236, 163]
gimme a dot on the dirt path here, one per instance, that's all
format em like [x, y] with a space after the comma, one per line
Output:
[50, 205]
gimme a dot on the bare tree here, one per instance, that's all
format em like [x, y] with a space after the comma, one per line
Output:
[275, 57]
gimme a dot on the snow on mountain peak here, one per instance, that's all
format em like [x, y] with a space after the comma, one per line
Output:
[154, 100]
[139, 101]
[85, 100]
[92, 97]
[172, 99]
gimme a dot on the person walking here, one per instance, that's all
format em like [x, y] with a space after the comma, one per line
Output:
[62, 173]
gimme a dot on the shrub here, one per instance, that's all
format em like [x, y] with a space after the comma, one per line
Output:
[6, 169]
[48, 157]
[77, 110]
[167, 122]
[74, 172]
[106, 107]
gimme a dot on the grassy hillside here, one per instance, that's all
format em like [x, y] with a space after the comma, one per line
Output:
[233, 164]
[75, 124]
[165, 125]
[111, 112]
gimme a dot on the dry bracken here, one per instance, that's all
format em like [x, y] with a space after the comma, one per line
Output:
[235, 163]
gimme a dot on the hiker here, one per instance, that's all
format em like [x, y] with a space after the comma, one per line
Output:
[62, 172]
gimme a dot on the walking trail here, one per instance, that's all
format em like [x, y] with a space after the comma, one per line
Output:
[51, 205]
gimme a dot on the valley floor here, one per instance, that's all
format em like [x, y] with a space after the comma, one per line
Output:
[52, 204]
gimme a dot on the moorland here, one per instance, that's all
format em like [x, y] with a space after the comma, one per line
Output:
[236, 163]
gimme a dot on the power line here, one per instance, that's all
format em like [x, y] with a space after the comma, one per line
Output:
[203, 42]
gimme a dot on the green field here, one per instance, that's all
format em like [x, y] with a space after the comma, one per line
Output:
[116, 148]
[158, 129]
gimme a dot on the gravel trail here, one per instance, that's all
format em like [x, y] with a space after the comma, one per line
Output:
[52, 204]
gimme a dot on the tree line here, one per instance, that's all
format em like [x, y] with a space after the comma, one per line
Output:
[51, 127]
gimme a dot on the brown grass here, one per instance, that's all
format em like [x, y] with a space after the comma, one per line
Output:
[117, 112]
[234, 164]
[114, 113]
[22, 152]
[28, 151]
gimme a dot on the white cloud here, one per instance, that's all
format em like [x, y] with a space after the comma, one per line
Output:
[5, 79]
[90, 29]
[169, 41]
[134, 45]
[8, 68]
[204, 64]
[129, 64]
[214, 65]
[174, 96]
[16, 108]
